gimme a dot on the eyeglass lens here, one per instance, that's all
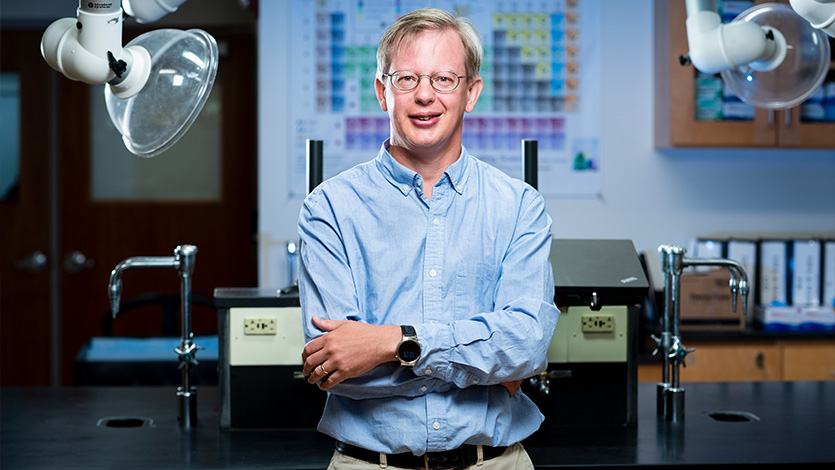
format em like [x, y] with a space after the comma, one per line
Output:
[407, 80]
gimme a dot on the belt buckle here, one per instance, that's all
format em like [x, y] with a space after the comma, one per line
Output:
[446, 460]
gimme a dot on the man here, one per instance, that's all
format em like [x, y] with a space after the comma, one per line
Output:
[425, 283]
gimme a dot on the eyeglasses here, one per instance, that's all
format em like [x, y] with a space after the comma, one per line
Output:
[443, 82]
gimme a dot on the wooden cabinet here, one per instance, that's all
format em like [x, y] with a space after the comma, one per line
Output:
[808, 362]
[675, 114]
[733, 363]
[729, 361]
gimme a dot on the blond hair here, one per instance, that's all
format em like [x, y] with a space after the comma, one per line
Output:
[408, 26]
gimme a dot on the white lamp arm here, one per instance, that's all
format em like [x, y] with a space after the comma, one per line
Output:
[715, 47]
[89, 48]
[79, 47]
[819, 13]
[148, 11]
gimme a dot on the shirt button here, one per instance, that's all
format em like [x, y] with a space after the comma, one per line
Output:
[475, 381]
[423, 388]
[432, 273]
[436, 425]
[405, 187]
[428, 371]
[436, 221]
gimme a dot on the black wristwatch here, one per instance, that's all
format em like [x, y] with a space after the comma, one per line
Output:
[408, 351]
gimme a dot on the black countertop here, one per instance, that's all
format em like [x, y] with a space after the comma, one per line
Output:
[791, 423]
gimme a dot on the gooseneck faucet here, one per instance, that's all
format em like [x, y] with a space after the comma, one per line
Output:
[670, 393]
[183, 261]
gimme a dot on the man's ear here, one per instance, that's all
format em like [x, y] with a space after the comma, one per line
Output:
[380, 89]
[473, 92]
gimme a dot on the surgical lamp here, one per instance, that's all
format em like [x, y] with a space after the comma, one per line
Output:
[157, 84]
[771, 56]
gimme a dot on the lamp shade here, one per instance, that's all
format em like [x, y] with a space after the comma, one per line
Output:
[183, 66]
[796, 75]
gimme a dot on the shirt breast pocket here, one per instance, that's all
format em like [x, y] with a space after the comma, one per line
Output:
[475, 288]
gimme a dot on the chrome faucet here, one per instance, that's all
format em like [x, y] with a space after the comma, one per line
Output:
[183, 261]
[670, 393]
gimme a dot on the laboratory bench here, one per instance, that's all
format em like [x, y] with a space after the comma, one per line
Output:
[740, 424]
[746, 355]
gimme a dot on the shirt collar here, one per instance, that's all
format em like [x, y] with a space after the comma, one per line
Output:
[457, 172]
[405, 179]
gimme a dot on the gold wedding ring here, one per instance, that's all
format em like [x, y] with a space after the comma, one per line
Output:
[322, 366]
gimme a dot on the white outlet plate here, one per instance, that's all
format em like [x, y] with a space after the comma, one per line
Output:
[598, 322]
[260, 326]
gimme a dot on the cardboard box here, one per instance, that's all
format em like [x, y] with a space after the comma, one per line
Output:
[706, 302]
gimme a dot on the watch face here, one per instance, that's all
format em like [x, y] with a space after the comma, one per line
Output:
[409, 351]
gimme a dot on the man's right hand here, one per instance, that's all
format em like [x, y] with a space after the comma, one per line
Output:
[347, 349]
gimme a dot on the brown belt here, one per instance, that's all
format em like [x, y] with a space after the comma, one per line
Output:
[461, 457]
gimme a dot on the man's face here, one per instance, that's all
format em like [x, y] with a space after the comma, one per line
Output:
[424, 121]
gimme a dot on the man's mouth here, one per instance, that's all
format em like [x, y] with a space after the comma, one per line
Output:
[425, 117]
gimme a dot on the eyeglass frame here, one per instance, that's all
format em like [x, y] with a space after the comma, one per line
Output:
[431, 82]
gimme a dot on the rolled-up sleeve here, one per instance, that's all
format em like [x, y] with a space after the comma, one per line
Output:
[327, 290]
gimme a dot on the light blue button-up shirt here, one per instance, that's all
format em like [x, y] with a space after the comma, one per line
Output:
[468, 269]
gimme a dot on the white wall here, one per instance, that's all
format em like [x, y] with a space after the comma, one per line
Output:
[649, 196]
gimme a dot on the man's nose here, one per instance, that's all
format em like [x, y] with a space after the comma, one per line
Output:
[424, 93]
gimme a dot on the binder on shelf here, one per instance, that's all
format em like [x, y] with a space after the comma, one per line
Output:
[828, 287]
[806, 273]
[773, 276]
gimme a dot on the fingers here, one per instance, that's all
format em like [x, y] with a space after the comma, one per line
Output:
[316, 345]
[329, 380]
[325, 375]
[326, 325]
[317, 373]
[312, 356]
[316, 366]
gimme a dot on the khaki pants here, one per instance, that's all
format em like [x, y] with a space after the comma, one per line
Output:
[515, 458]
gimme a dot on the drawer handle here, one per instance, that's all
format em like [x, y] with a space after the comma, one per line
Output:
[760, 360]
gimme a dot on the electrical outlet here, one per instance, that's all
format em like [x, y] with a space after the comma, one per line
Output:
[598, 322]
[259, 326]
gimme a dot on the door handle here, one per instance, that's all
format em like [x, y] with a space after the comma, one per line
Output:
[76, 261]
[33, 263]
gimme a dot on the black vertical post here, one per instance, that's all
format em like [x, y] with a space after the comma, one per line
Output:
[314, 164]
[530, 168]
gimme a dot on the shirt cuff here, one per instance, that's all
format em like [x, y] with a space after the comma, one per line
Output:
[437, 342]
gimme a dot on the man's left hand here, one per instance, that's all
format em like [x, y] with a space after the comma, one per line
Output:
[347, 349]
[512, 386]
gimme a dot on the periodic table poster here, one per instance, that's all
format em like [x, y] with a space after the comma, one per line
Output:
[541, 72]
